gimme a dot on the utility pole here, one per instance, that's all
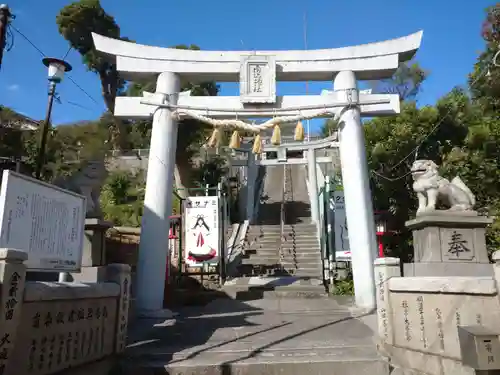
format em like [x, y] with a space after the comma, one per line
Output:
[5, 18]
[45, 131]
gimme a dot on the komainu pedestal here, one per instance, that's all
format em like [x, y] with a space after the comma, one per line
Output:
[449, 243]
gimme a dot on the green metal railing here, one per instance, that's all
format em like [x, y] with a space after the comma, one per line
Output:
[327, 238]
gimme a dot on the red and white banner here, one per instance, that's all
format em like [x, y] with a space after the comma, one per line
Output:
[202, 230]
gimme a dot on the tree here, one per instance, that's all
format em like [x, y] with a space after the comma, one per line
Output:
[484, 81]
[76, 22]
[210, 172]
[406, 82]
[435, 131]
[329, 127]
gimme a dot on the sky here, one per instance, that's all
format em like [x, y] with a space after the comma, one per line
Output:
[450, 45]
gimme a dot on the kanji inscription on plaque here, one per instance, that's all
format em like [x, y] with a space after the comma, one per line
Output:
[258, 79]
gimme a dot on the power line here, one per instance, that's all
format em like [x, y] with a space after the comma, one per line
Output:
[83, 90]
[67, 52]
[415, 151]
[28, 40]
[77, 105]
[44, 55]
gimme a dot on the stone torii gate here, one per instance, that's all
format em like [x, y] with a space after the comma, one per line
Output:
[257, 72]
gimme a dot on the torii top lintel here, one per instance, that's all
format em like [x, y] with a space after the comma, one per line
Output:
[370, 61]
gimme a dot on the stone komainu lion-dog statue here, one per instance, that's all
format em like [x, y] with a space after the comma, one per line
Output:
[431, 188]
[87, 181]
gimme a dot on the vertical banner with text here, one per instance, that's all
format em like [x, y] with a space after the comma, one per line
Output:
[202, 230]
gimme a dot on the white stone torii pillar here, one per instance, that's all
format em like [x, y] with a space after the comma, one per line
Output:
[366, 62]
[356, 183]
[313, 184]
[158, 202]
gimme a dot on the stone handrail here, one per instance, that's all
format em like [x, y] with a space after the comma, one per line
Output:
[47, 327]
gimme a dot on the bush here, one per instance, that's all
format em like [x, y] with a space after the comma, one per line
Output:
[118, 185]
[344, 288]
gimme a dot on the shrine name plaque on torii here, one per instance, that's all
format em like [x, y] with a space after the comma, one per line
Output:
[257, 72]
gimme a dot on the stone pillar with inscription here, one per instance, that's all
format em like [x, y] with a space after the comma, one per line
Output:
[448, 243]
[385, 268]
[120, 274]
[12, 278]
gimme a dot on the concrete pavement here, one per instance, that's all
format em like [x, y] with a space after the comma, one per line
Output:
[267, 336]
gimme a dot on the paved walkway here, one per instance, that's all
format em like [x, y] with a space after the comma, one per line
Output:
[271, 336]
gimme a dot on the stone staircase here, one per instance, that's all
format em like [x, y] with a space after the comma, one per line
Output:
[280, 262]
[297, 253]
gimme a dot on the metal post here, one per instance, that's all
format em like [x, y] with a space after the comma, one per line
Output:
[330, 238]
[222, 231]
[45, 131]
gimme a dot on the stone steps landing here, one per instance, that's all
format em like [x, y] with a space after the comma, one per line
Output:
[272, 337]
[286, 286]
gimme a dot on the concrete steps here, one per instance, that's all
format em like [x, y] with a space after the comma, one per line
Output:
[304, 245]
[307, 263]
[300, 251]
[289, 286]
[255, 337]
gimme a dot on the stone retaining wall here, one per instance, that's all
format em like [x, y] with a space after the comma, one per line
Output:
[47, 327]
[438, 325]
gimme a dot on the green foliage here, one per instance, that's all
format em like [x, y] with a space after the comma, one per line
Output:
[118, 185]
[450, 132]
[210, 172]
[191, 133]
[329, 127]
[344, 288]
[461, 133]
[122, 198]
[76, 22]
[485, 88]
[406, 82]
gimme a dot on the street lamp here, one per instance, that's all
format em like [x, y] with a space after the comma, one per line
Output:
[56, 70]
[381, 229]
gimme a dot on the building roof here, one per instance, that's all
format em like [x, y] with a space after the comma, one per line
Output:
[12, 119]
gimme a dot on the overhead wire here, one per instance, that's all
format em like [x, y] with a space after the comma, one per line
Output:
[27, 39]
[44, 55]
[415, 151]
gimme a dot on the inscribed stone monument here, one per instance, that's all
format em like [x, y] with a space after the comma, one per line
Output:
[43, 220]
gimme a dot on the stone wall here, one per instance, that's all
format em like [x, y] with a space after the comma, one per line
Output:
[47, 327]
[438, 325]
